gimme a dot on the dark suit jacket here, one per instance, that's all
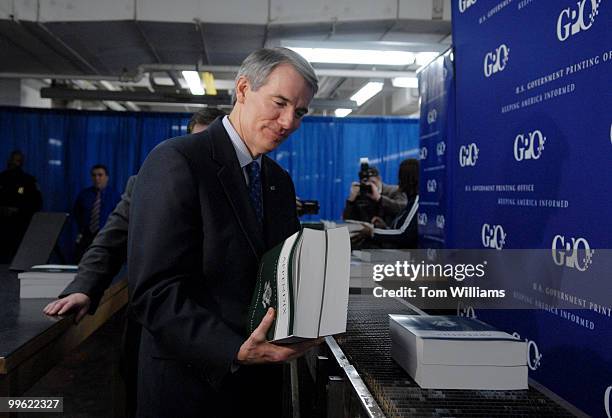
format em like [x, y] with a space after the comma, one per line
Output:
[194, 248]
[106, 255]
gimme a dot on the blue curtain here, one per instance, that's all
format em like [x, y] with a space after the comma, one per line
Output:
[322, 156]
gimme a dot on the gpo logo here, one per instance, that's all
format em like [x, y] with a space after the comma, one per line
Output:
[468, 154]
[432, 185]
[534, 357]
[496, 60]
[422, 219]
[493, 236]
[466, 311]
[530, 146]
[423, 153]
[465, 4]
[574, 253]
[440, 148]
[432, 116]
[440, 221]
[607, 396]
[572, 21]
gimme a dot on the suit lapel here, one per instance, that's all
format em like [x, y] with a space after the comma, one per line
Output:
[272, 202]
[232, 181]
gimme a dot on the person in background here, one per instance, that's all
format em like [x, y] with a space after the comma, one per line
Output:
[402, 232]
[202, 118]
[20, 198]
[381, 200]
[103, 260]
[92, 207]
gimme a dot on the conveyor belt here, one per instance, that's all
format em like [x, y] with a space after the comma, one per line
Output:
[367, 344]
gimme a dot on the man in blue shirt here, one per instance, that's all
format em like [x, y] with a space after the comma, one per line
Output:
[92, 207]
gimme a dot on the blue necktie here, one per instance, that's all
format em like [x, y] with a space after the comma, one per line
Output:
[254, 173]
[94, 220]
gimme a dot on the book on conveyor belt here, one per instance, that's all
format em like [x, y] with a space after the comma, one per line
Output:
[306, 280]
[379, 255]
[452, 352]
[45, 281]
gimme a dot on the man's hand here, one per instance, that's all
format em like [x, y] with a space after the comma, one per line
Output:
[354, 191]
[374, 192]
[257, 350]
[378, 222]
[75, 302]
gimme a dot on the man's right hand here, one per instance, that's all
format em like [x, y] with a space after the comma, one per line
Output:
[257, 350]
[354, 192]
[75, 302]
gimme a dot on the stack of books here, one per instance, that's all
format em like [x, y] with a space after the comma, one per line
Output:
[46, 280]
[450, 352]
[306, 280]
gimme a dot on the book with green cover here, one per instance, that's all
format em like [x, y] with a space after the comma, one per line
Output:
[305, 279]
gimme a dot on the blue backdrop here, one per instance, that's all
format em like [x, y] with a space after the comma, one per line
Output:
[322, 156]
[531, 167]
[437, 132]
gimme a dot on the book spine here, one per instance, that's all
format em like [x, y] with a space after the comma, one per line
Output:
[265, 293]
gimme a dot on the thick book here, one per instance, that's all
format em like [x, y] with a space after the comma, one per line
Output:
[379, 255]
[45, 281]
[451, 352]
[306, 280]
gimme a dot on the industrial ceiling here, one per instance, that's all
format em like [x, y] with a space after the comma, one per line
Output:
[129, 54]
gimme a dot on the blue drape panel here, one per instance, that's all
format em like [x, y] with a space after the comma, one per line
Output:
[322, 157]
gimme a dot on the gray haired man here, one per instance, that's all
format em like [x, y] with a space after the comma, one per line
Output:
[205, 209]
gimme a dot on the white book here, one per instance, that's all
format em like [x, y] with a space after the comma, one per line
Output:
[449, 352]
[46, 275]
[55, 267]
[378, 255]
[48, 288]
[336, 293]
[309, 292]
[306, 280]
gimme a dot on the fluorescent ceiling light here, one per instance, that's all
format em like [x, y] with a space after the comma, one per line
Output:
[367, 92]
[340, 113]
[423, 58]
[194, 82]
[356, 56]
[107, 85]
[405, 82]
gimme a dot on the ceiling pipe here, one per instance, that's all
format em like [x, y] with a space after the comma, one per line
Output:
[149, 68]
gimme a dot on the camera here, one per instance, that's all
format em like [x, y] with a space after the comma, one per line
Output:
[309, 207]
[365, 172]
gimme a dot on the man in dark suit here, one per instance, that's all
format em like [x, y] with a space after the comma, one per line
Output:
[205, 208]
[20, 198]
[108, 252]
[92, 208]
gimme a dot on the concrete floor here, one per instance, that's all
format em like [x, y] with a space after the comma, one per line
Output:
[84, 377]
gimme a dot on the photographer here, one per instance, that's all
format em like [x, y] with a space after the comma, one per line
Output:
[370, 198]
[403, 231]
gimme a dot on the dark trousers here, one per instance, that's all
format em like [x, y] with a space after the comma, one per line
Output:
[170, 388]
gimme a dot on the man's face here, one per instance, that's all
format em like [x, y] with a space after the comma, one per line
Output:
[198, 127]
[15, 161]
[99, 178]
[270, 114]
